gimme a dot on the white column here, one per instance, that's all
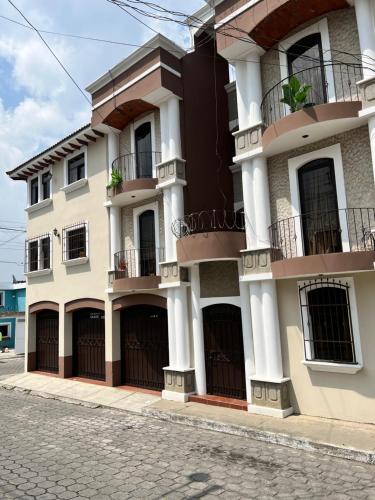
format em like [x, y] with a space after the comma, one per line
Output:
[174, 127]
[164, 130]
[171, 328]
[177, 212]
[261, 201]
[115, 228]
[242, 95]
[271, 331]
[169, 238]
[364, 10]
[198, 334]
[182, 329]
[247, 333]
[260, 354]
[249, 90]
[371, 129]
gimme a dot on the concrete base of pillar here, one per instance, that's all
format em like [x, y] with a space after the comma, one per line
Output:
[270, 398]
[65, 366]
[113, 373]
[179, 384]
[31, 361]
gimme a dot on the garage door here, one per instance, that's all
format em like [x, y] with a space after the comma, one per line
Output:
[144, 346]
[223, 344]
[47, 341]
[89, 344]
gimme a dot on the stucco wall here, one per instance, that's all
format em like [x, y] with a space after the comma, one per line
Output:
[84, 204]
[323, 394]
[357, 164]
[219, 279]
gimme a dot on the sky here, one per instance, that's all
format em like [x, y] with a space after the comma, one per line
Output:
[38, 103]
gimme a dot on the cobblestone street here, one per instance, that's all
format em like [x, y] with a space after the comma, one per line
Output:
[55, 450]
[10, 366]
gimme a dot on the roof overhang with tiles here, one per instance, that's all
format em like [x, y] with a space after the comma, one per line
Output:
[56, 153]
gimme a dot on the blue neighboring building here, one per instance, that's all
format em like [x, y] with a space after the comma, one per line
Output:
[12, 316]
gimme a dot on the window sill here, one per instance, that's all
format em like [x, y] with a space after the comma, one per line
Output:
[74, 186]
[38, 206]
[321, 366]
[40, 272]
[76, 262]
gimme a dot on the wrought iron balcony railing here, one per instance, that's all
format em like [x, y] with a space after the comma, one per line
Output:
[331, 231]
[208, 221]
[329, 83]
[138, 262]
[136, 165]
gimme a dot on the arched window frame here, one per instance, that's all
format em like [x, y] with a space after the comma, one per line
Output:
[294, 164]
[149, 117]
[137, 212]
[321, 27]
[307, 334]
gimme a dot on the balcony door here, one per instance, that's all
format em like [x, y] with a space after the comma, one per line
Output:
[319, 208]
[147, 252]
[143, 151]
[306, 59]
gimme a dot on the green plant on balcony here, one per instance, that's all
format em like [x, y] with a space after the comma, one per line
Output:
[116, 179]
[295, 94]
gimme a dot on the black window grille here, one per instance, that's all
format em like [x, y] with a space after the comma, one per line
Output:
[76, 168]
[38, 254]
[326, 321]
[75, 241]
[34, 191]
[46, 185]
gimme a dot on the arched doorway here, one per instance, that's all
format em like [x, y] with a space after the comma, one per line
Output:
[224, 353]
[47, 341]
[319, 207]
[143, 151]
[144, 346]
[89, 344]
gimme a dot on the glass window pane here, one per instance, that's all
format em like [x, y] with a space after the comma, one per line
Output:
[46, 185]
[45, 251]
[76, 243]
[33, 256]
[76, 168]
[34, 191]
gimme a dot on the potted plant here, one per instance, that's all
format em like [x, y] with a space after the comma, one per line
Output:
[116, 179]
[295, 94]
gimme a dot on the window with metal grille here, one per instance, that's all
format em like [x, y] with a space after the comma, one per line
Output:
[327, 321]
[75, 241]
[38, 254]
[34, 191]
[76, 168]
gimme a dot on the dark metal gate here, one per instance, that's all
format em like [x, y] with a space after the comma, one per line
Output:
[224, 354]
[47, 341]
[89, 344]
[144, 346]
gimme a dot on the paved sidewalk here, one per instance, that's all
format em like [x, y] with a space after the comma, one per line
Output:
[332, 437]
[11, 354]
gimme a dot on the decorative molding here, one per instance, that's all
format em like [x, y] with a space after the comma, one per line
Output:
[171, 170]
[367, 88]
[74, 186]
[38, 206]
[256, 261]
[274, 395]
[171, 272]
[182, 382]
[248, 140]
[43, 305]
[76, 305]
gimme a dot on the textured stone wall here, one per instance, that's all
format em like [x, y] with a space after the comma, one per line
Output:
[357, 164]
[219, 279]
[128, 223]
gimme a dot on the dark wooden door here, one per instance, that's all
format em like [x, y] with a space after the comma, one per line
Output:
[89, 344]
[47, 341]
[224, 354]
[143, 146]
[144, 346]
[147, 253]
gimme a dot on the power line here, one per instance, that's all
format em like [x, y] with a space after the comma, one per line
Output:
[134, 17]
[12, 229]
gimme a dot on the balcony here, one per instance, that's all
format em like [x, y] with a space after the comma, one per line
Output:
[333, 241]
[137, 269]
[133, 177]
[209, 235]
[331, 106]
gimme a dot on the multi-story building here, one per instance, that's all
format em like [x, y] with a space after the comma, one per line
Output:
[215, 238]
[12, 316]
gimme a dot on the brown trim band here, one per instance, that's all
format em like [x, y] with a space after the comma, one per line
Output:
[42, 305]
[75, 305]
[139, 299]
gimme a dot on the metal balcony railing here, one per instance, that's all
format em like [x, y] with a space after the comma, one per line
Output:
[136, 165]
[208, 221]
[138, 262]
[329, 83]
[331, 231]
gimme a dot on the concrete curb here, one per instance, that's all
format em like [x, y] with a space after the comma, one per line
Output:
[266, 436]
[11, 356]
[236, 430]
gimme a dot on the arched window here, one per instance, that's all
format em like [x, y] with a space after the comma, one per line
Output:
[319, 208]
[147, 250]
[143, 151]
[327, 323]
[306, 59]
